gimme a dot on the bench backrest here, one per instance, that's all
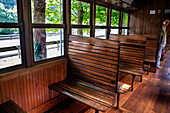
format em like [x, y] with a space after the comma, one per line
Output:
[151, 47]
[132, 51]
[94, 62]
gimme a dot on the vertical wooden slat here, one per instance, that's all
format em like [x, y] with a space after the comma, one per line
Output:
[35, 89]
[15, 90]
[11, 89]
[0, 94]
[21, 86]
[31, 90]
[25, 92]
[18, 89]
[7, 92]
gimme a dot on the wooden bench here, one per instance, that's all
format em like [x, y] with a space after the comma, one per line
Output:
[152, 45]
[10, 107]
[132, 53]
[92, 76]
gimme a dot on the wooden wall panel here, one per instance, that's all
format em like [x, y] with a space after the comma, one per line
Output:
[29, 88]
[141, 22]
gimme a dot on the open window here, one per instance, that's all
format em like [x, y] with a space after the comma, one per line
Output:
[47, 29]
[101, 22]
[10, 34]
[80, 18]
[115, 22]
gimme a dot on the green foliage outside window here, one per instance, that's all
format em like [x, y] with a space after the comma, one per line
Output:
[101, 15]
[52, 13]
[84, 9]
[125, 20]
[115, 18]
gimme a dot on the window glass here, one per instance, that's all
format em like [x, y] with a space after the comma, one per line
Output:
[81, 32]
[10, 52]
[8, 11]
[101, 16]
[100, 33]
[124, 31]
[80, 12]
[47, 11]
[48, 43]
[125, 20]
[115, 18]
[114, 31]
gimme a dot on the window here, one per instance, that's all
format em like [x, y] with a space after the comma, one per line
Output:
[101, 16]
[115, 18]
[80, 13]
[47, 11]
[100, 33]
[47, 24]
[10, 36]
[114, 31]
[81, 31]
[124, 31]
[125, 20]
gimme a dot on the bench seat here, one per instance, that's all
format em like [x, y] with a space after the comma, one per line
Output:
[95, 97]
[10, 107]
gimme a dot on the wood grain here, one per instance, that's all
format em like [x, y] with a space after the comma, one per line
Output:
[29, 87]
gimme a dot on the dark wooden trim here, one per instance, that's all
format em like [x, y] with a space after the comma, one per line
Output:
[120, 22]
[28, 46]
[9, 25]
[109, 12]
[128, 24]
[101, 27]
[114, 27]
[103, 4]
[93, 16]
[87, 1]
[80, 26]
[48, 25]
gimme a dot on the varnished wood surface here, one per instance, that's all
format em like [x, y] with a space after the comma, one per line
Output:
[92, 72]
[150, 96]
[28, 88]
[10, 107]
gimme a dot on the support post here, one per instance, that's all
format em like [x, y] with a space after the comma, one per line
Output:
[118, 95]
[140, 78]
[133, 81]
[96, 111]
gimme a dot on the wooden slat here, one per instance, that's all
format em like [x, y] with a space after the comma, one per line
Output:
[93, 54]
[91, 40]
[113, 50]
[93, 61]
[94, 58]
[93, 51]
[14, 107]
[92, 68]
[94, 65]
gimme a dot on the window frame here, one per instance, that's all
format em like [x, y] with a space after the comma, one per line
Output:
[58, 26]
[20, 26]
[82, 26]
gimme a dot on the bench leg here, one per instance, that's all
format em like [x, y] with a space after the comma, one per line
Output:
[140, 78]
[96, 111]
[148, 72]
[133, 81]
[118, 95]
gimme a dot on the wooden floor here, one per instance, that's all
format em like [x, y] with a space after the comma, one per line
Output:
[150, 96]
